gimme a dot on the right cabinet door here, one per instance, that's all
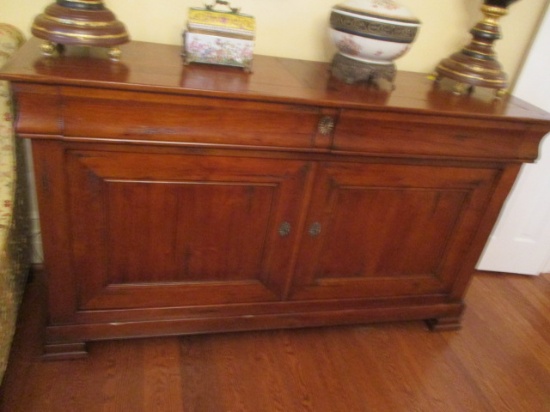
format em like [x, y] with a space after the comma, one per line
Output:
[388, 230]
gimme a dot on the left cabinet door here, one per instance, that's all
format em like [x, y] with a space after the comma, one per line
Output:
[160, 229]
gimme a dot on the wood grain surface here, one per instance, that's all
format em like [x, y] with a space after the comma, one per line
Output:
[499, 361]
[192, 199]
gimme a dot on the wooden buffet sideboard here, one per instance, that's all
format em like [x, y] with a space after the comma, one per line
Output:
[187, 199]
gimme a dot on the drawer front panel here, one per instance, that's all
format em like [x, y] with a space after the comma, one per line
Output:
[184, 119]
[38, 110]
[416, 135]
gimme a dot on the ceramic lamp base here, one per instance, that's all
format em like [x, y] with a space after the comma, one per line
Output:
[79, 23]
[356, 71]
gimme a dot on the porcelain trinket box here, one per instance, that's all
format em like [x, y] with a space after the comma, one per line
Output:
[219, 37]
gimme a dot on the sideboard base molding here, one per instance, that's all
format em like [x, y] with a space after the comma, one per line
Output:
[55, 348]
[65, 351]
[444, 323]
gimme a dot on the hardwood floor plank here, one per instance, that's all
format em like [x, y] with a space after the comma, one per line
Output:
[502, 351]
[199, 380]
[535, 291]
[499, 361]
[525, 319]
[418, 369]
[443, 381]
[162, 375]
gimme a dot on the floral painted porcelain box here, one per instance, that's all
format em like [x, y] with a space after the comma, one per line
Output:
[219, 37]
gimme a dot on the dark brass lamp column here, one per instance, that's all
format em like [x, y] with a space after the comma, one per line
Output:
[476, 64]
[79, 23]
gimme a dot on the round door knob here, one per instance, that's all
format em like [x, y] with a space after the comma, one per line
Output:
[326, 125]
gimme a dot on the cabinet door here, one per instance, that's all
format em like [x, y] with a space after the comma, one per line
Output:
[383, 230]
[160, 230]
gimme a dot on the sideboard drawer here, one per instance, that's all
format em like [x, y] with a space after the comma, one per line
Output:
[187, 119]
[429, 136]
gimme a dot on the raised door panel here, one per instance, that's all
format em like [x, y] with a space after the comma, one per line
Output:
[159, 230]
[381, 230]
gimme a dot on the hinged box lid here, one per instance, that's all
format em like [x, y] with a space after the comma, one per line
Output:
[221, 22]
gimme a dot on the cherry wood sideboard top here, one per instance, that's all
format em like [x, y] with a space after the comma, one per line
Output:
[159, 68]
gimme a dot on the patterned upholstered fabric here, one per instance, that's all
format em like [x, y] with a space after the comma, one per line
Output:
[14, 227]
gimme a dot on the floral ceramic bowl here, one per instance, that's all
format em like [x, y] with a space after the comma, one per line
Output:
[373, 31]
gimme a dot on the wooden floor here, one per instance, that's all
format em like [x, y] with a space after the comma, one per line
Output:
[499, 361]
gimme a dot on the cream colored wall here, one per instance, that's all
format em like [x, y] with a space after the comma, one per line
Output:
[298, 28]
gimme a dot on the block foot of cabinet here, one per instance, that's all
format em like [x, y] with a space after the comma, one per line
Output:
[444, 324]
[65, 351]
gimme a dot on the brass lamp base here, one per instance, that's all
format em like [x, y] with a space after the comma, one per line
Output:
[476, 65]
[79, 23]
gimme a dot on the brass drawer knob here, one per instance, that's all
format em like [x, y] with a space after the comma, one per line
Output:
[315, 229]
[326, 125]
[284, 229]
